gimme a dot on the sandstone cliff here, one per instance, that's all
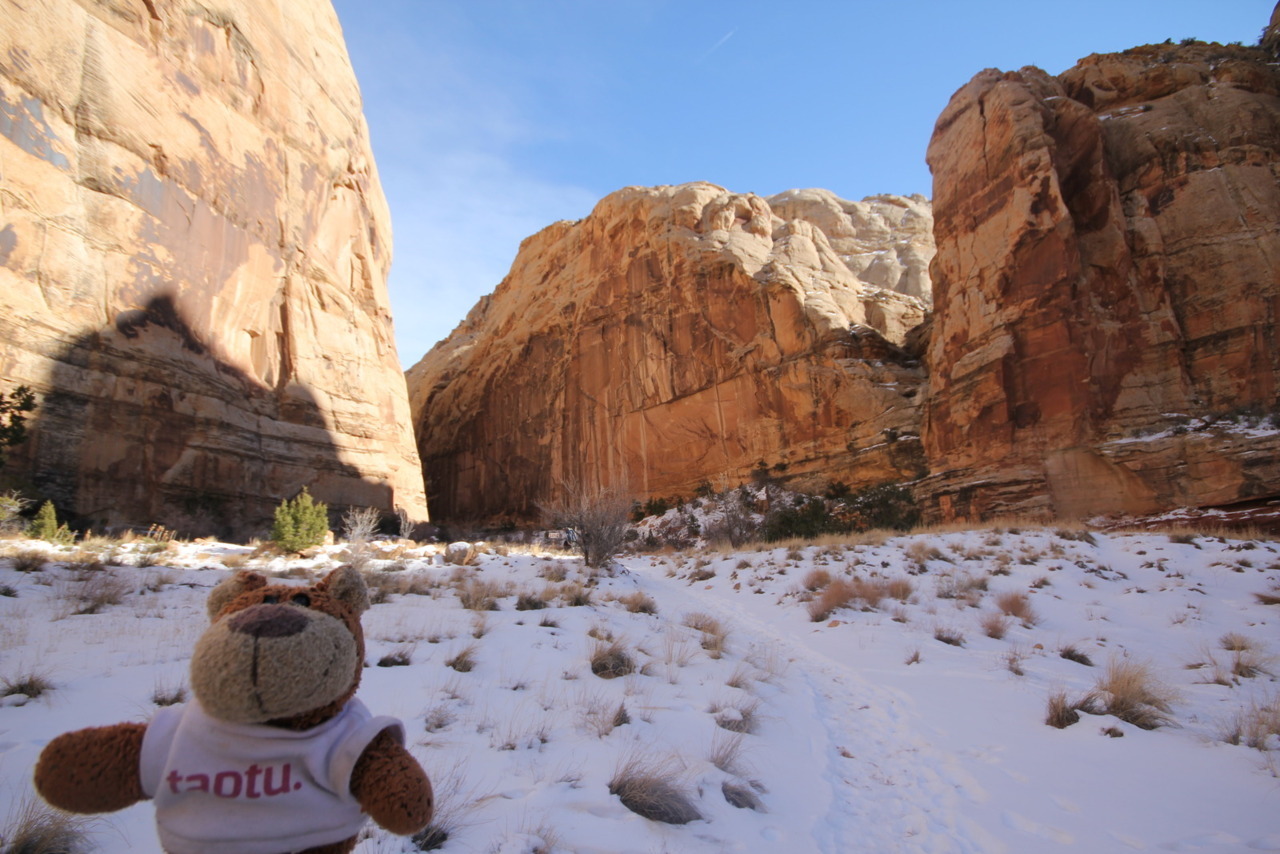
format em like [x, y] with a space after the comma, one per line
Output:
[1106, 287]
[193, 256]
[681, 335]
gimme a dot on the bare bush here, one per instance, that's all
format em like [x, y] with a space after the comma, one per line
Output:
[596, 514]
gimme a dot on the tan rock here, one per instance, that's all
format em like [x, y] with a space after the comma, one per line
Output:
[1108, 244]
[192, 264]
[676, 336]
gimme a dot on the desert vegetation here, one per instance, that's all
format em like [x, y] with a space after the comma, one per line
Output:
[680, 685]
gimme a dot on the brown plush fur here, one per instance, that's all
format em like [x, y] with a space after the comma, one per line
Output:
[92, 770]
[97, 770]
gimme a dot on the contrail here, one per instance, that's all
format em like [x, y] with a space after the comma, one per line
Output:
[718, 44]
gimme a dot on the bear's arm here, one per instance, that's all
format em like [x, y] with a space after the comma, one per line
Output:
[391, 786]
[92, 770]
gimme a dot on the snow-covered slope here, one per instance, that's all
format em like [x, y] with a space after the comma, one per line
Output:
[859, 731]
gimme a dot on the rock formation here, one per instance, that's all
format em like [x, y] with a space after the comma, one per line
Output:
[193, 256]
[680, 336]
[1107, 287]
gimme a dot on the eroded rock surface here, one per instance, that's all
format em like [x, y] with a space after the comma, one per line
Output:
[193, 257]
[1106, 287]
[680, 336]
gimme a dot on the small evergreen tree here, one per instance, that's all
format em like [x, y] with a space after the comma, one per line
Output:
[300, 523]
[45, 526]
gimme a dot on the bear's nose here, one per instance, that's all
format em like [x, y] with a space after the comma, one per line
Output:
[269, 621]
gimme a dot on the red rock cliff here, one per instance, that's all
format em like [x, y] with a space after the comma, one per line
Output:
[1106, 287]
[193, 257]
[681, 335]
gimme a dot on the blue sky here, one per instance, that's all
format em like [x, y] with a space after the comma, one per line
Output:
[491, 119]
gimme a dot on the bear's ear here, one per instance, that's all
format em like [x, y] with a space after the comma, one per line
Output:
[346, 584]
[230, 588]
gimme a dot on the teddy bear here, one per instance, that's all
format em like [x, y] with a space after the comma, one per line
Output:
[274, 754]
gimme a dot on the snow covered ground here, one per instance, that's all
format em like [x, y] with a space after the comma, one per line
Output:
[893, 722]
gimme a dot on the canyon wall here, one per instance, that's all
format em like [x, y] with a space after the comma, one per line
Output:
[681, 336]
[1107, 287]
[193, 257]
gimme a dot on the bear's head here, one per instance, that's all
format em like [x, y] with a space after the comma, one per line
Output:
[279, 654]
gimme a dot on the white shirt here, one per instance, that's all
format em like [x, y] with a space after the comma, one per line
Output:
[225, 788]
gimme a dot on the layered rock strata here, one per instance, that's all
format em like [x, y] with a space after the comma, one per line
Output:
[1106, 287]
[680, 336]
[193, 258]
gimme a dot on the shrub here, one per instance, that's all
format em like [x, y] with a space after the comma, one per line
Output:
[596, 515]
[951, 637]
[886, 506]
[639, 603]
[45, 526]
[300, 523]
[1062, 713]
[650, 790]
[808, 519]
[30, 560]
[12, 505]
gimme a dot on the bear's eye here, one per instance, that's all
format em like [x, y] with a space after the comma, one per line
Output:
[270, 599]
[301, 599]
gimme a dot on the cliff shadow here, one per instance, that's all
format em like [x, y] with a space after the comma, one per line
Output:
[141, 423]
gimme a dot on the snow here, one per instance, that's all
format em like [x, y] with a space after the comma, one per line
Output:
[858, 732]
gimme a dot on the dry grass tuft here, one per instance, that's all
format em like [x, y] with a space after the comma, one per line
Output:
[1070, 653]
[1018, 606]
[949, 636]
[736, 717]
[726, 752]
[816, 579]
[652, 790]
[88, 592]
[165, 694]
[464, 660]
[477, 595]
[740, 796]
[37, 829]
[609, 660]
[639, 603]
[995, 625]
[30, 560]
[30, 684]
[1256, 726]
[1062, 712]
[1131, 692]
[714, 634]
[401, 656]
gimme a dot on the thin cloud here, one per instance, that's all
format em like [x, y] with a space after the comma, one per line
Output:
[718, 44]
